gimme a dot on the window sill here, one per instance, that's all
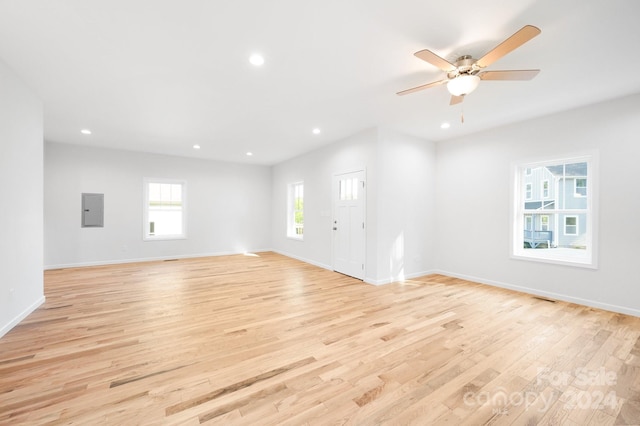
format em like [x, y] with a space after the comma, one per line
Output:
[295, 237]
[568, 259]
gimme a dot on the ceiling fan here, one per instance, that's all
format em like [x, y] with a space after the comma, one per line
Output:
[464, 75]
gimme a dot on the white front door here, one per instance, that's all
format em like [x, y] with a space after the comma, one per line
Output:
[348, 223]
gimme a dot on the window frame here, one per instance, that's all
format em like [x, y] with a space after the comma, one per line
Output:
[587, 259]
[291, 211]
[544, 224]
[576, 225]
[146, 236]
[528, 222]
[545, 189]
[575, 187]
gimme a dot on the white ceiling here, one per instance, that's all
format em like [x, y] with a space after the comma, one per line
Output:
[163, 75]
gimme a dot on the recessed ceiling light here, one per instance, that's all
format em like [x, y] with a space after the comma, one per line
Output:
[85, 131]
[445, 125]
[196, 147]
[249, 154]
[256, 60]
[316, 131]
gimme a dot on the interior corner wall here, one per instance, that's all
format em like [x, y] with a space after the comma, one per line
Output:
[228, 206]
[21, 246]
[400, 213]
[473, 196]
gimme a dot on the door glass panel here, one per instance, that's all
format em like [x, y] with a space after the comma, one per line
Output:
[348, 189]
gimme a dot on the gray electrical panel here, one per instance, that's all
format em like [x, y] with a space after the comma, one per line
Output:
[92, 210]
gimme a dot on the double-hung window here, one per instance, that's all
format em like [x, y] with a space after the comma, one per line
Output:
[295, 210]
[545, 189]
[557, 225]
[581, 187]
[164, 209]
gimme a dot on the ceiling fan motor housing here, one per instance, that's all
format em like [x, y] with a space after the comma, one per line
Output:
[464, 65]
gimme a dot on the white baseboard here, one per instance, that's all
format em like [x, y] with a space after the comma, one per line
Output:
[302, 259]
[367, 280]
[551, 295]
[398, 279]
[147, 259]
[15, 321]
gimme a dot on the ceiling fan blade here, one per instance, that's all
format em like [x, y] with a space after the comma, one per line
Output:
[508, 75]
[456, 100]
[520, 37]
[433, 59]
[424, 86]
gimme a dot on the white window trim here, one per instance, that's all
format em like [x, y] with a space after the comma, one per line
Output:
[145, 211]
[575, 187]
[542, 222]
[528, 191]
[516, 224]
[290, 211]
[528, 222]
[548, 192]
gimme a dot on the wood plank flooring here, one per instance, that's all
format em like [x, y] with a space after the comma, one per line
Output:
[268, 340]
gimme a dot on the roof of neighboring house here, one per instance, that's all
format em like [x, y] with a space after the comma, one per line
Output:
[574, 169]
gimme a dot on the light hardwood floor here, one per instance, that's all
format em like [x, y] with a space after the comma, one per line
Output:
[269, 340]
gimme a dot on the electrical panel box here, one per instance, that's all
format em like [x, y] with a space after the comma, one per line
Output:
[92, 210]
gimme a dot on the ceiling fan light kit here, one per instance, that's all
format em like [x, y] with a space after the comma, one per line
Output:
[463, 84]
[464, 76]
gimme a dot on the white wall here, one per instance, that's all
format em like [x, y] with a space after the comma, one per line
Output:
[400, 213]
[21, 247]
[228, 206]
[406, 206]
[473, 196]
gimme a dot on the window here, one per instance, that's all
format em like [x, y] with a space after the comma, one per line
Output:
[562, 228]
[528, 192]
[544, 223]
[295, 211]
[528, 222]
[580, 187]
[164, 209]
[348, 189]
[571, 225]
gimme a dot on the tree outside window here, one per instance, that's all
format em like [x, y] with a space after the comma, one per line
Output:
[295, 211]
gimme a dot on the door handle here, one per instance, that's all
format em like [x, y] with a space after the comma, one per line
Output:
[335, 228]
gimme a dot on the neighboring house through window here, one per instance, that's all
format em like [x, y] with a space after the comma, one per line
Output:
[164, 209]
[553, 213]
